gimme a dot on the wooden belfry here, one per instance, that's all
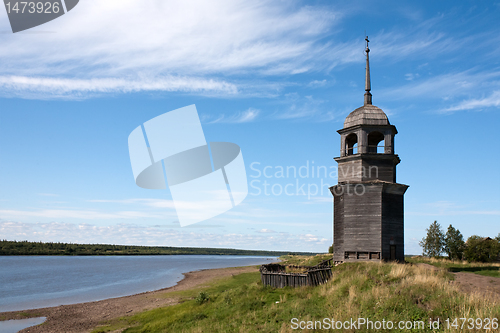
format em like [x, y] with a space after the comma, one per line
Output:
[368, 203]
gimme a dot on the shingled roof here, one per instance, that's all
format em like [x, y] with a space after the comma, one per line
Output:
[368, 114]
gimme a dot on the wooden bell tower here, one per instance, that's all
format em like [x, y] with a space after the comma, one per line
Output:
[368, 203]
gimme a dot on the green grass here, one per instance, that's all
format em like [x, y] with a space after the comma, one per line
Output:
[489, 273]
[486, 269]
[372, 290]
[303, 260]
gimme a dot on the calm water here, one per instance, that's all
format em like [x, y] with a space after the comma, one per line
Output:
[13, 326]
[28, 282]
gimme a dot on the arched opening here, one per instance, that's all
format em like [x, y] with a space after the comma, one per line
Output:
[351, 144]
[374, 145]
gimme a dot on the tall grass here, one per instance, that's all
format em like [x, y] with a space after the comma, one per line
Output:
[486, 269]
[377, 291]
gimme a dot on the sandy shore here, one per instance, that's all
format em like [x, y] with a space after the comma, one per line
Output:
[83, 317]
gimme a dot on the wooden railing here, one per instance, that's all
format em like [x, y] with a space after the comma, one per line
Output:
[276, 276]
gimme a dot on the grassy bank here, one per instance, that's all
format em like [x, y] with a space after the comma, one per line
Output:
[485, 269]
[377, 291]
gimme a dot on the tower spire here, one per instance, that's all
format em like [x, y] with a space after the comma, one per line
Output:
[368, 87]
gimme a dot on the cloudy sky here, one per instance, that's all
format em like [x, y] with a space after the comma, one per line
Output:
[276, 77]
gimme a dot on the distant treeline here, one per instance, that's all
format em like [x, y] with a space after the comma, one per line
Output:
[40, 248]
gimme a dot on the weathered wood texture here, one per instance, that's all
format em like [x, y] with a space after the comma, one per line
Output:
[368, 203]
[367, 167]
[275, 275]
[392, 225]
[368, 219]
[338, 228]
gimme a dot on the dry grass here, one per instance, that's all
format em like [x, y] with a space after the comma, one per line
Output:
[378, 291]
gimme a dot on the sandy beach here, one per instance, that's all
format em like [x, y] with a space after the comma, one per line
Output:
[84, 317]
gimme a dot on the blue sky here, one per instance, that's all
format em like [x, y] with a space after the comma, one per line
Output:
[278, 79]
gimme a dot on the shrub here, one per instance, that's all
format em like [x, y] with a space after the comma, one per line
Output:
[202, 298]
[481, 249]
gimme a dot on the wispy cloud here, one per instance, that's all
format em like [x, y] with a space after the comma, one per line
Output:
[477, 104]
[157, 203]
[46, 87]
[237, 118]
[75, 214]
[297, 107]
[187, 46]
[447, 86]
[184, 45]
[266, 231]
[317, 83]
[399, 46]
[411, 76]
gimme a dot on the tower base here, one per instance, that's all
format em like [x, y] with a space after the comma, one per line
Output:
[368, 221]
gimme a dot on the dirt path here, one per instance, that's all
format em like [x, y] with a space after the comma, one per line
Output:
[470, 282]
[83, 317]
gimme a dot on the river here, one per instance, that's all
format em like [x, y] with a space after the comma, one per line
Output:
[28, 282]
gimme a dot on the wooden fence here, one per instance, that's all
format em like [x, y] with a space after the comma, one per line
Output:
[276, 275]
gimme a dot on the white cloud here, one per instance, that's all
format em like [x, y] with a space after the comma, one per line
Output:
[75, 214]
[116, 44]
[156, 235]
[317, 83]
[303, 107]
[473, 104]
[445, 86]
[398, 45]
[266, 231]
[237, 118]
[43, 87]
[411, 76]
[193, 46]
[157, 203]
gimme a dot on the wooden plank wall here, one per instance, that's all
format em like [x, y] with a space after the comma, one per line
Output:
[393, 225]
[367, 168]
[311, 278]
[338, 228]
[362, 219]
[274, 275]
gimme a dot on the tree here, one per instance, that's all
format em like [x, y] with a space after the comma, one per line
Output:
[481, 249]
[498, 237]
[330, 249]
[454, 243]
[433, 243]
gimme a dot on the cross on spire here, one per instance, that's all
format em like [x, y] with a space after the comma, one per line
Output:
[368, 95]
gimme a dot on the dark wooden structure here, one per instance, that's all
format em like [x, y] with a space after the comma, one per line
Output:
[368, 203]
[278, 276]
